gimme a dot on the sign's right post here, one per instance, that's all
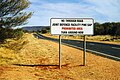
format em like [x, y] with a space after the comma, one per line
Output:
[84, 51]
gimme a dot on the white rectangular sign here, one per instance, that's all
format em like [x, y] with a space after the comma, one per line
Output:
[71, 26]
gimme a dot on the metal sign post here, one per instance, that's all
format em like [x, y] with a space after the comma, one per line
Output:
[60, 52]
[84, 52]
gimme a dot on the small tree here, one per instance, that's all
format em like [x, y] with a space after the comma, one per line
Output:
[11, 13]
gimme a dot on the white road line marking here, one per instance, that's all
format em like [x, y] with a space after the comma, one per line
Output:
[107, 55]
[92, 44]
[104, 54]
[38, 36]
[115, 48]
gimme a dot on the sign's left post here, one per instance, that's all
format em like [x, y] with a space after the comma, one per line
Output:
[55, 28]
[60, 58]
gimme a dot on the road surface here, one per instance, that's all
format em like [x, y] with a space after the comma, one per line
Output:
[107, 50]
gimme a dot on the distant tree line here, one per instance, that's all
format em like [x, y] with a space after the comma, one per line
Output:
[44, 30]
[107, 28]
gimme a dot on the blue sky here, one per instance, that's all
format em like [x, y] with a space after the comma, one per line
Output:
[100, 10]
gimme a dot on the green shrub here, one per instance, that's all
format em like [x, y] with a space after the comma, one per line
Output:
[6, 33]
[18, 33]
[43, 31]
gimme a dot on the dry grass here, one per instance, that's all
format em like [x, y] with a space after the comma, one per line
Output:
[39, 51]
[9, 50]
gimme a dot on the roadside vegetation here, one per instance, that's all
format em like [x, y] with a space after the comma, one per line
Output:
[12, 15]
[9, 49]
[107, 31]
[6, 33]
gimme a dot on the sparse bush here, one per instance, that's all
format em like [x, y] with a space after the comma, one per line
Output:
[43, 31]
[6, 33]
[18, 33]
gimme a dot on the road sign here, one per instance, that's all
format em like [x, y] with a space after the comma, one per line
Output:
[71, 26]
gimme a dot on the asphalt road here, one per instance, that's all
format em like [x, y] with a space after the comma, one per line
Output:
[107, 50]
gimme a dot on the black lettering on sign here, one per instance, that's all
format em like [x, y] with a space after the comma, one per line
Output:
[84, 24]
[79, 20]
[55, 24]
[89, 24]
[80, 32]
[74, 24]
[72, 32]
[71, 20]
[62, 20]
[64, 24]
[64, 32]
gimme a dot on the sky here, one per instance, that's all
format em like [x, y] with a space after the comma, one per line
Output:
[100, 10]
